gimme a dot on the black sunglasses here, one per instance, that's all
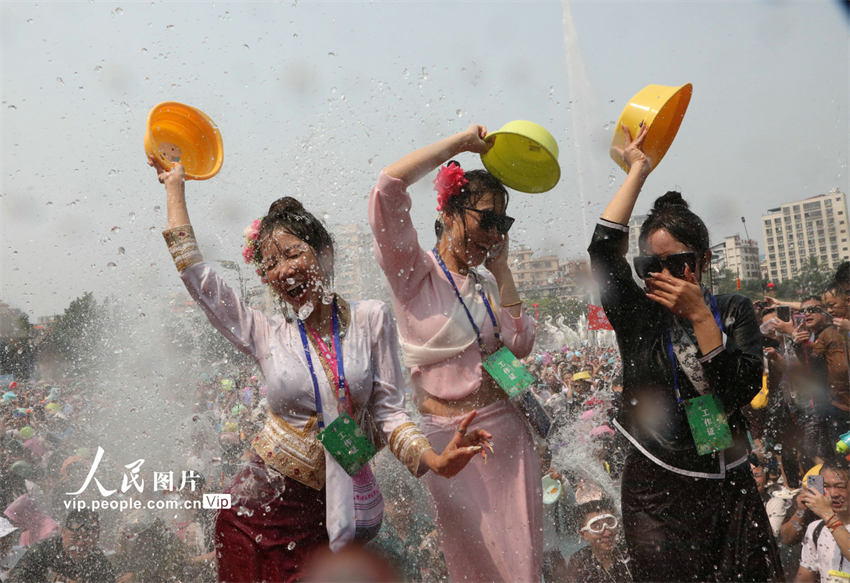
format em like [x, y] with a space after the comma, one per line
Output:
[675, 264]
[813, 310]
[488, 219]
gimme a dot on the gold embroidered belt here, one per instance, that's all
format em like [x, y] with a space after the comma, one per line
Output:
[296, 453]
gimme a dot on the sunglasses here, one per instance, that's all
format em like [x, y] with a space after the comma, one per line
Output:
[598, 524]
[489, 219]
[812, 310]
[675, 264]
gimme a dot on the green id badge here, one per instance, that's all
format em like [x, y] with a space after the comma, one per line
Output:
[347, 443]
[708, 424]
[508, 371]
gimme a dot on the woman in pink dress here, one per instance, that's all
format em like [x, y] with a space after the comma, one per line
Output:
[490, 517]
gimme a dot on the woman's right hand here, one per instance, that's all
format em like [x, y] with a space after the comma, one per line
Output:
[168, 176]
[632, 151]
[473, 139]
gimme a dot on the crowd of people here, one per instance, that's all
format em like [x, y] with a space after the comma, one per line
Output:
[710, 434]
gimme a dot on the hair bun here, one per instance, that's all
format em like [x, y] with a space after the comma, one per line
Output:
[671, 198]
[285, 205]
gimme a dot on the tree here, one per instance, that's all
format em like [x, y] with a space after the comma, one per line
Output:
[76, 337]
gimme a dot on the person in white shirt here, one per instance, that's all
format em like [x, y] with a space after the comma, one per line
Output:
[826, 546]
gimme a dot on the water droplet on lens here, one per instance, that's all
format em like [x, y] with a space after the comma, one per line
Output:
[290, 546]
[121, 251]
[115, 229]
[112, 265]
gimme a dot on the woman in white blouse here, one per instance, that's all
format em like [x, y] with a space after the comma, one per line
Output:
[293, 496]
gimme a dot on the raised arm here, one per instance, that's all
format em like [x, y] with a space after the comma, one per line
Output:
[174, 180]
[221, 304]
[417, 164]
[619, 210]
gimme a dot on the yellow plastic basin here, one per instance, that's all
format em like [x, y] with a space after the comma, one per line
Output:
[524, 157]
[662, 108]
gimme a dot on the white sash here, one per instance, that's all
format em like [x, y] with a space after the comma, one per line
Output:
[456, 335]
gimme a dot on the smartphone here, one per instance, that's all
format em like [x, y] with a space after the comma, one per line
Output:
[798, 319]
[783, 313]
[815, 483]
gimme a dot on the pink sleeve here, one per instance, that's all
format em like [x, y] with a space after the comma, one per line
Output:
[397, 248]
[224, 309]
[518, 332]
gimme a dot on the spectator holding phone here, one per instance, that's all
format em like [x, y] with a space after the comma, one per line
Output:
[684, 495]
[826, 546]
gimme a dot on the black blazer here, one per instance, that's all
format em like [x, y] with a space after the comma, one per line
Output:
[649, 414]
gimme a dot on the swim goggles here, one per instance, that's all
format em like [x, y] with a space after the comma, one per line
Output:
[598, 524]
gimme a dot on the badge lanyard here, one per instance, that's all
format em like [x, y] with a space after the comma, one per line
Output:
[502, 365]
[342, 389]
[462, 303]
[669, 345]
[343, 439]
[705, 414]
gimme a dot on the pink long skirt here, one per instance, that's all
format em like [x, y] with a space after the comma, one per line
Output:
[489, 516]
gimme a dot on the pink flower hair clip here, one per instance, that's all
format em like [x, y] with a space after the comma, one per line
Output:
[251, 250]
[449, 182]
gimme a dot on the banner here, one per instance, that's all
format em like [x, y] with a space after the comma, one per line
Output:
[596, 318]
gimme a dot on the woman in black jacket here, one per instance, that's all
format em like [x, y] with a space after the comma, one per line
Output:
[691, 510]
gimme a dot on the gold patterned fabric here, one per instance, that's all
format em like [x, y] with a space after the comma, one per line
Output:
[296, 453]
[182, 246]
[408, 443]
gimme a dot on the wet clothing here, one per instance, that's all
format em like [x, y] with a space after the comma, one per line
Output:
[372, 370]
[489, 518]
[585, 568]
[46, 561]
[820, 552]
[671, 496]
[425, 303]
[271, 527]
[704, 523]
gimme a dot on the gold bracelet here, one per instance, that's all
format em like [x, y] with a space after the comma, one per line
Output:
[511, 305]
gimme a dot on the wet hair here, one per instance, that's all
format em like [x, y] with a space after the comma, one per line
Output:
[816, 299]
[837, 464]
[671, 212]
[480, 182]
[290, 215]
[834, 288]
[603, 505]
[842, 274]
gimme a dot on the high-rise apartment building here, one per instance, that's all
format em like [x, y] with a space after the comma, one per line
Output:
[796, 231]
[738, 255]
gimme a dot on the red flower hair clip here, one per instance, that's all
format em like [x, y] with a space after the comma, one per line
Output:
[449, 182]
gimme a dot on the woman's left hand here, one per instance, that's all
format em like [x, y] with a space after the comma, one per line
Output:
[463, 446]
[683, 297]
[497, 257]
[818, 503]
